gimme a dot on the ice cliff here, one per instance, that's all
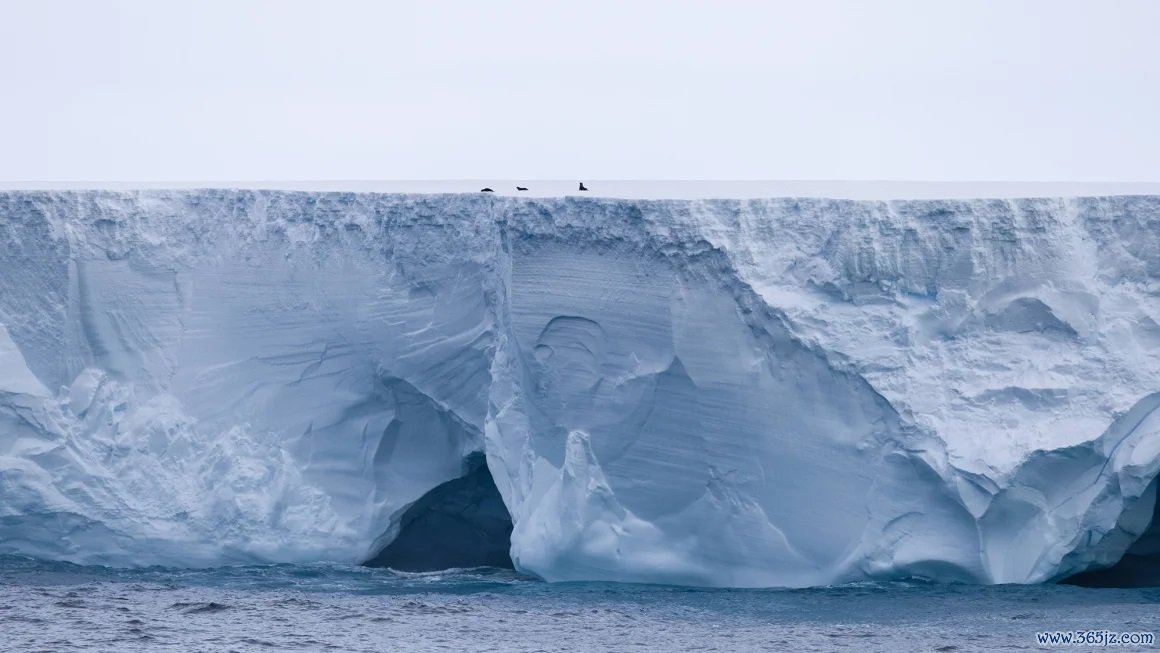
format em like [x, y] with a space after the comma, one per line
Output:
[733, 393]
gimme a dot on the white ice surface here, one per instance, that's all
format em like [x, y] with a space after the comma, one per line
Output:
[726, 392]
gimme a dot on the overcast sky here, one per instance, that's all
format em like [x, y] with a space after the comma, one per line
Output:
[153, 90]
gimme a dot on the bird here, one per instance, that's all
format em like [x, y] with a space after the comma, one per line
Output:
[520, 188]
[582, 186]
[486, 190]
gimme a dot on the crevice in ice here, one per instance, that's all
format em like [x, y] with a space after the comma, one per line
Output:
[1140, 565]
[461, 523]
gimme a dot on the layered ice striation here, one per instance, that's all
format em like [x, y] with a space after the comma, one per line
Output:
[779, 392]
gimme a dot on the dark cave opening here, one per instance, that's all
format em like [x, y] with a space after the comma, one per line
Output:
[1140, 566]
[461, 523]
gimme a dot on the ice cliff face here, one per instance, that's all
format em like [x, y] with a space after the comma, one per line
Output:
[748, 393]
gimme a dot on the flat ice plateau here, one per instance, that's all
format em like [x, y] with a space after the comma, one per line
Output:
[744, 392]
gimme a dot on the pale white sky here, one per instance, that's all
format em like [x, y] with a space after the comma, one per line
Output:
[151, 90]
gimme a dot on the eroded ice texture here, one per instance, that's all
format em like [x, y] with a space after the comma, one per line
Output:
[746, 393]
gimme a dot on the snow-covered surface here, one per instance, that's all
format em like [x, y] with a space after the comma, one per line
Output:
[716, 392]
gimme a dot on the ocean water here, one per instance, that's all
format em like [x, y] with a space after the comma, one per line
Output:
[60, 607]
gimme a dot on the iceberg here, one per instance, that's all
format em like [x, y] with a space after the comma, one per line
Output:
[778, 392]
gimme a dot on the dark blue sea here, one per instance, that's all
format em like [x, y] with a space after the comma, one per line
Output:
[60, 607]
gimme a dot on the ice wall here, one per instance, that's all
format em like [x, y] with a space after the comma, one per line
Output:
[773, 392]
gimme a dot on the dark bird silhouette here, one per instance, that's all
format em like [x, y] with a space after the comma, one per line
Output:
[582, 187]
[520, 188]
[486, 190]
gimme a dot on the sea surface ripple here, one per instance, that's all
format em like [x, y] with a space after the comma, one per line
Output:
[55, 607]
